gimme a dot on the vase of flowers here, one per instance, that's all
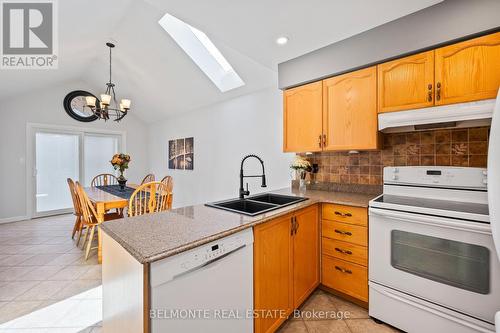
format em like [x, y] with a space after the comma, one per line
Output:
[301, 167]
[120, 162]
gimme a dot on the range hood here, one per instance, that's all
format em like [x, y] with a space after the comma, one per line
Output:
[471, 114]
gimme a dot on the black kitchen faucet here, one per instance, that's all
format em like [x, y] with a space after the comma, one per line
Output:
[244, 192]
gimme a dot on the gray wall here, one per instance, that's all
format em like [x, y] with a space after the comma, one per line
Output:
[443, 23]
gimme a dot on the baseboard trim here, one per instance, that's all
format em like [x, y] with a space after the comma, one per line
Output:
[13, 219]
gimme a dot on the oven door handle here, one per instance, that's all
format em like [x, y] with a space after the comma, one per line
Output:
[482, 228]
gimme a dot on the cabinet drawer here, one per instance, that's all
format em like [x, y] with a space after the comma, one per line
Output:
[346, 214]
[347, 251]
[345, 232]
[346, 277]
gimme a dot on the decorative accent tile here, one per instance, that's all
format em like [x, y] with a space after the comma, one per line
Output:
[452, 147]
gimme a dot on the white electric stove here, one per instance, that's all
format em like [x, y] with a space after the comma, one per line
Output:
[432, 264]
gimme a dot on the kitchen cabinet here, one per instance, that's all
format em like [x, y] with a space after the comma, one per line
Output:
[344, 253]
[273, 267]
[286, 266]
[406, 83]
[350, 111]
[302, 118]
[468, 71]
[305, 254]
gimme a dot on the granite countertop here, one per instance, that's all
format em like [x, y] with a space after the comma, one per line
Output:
[153, 237]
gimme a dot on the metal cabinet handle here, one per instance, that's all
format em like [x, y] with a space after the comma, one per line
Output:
[343, 251]
[343, 270]
[295, 225]
[429, 93]
[438, 91]
[348, 233]
[343, 214]
[324, 140]
[320, 143]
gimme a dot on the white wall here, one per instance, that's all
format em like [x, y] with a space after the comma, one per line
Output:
[223, 134]
[45, 106]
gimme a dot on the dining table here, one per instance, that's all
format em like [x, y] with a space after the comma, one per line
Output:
[105, 200]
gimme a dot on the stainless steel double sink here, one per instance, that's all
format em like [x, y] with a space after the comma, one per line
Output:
[256, 204]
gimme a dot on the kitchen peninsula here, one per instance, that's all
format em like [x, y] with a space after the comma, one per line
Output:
[134, 246]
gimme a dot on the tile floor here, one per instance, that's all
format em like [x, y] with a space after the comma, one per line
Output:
[45, 283]
[46, 286]
[356, 318]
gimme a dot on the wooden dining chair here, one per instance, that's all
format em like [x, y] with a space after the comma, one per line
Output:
[90, 219]
[149, 198]
[167, 180]
[77, 211]
[104, 179]
[148, 179]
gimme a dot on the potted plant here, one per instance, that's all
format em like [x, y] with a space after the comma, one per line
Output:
[301, 167]
[120, 162]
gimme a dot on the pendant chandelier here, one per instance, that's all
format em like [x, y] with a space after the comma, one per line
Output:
[108, 107]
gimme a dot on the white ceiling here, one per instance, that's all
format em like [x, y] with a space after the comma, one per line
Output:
[155, 73]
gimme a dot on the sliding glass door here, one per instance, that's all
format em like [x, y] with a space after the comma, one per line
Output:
[62, 154]
[56, 159]
[98, 151]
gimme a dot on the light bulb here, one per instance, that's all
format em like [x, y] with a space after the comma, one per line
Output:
[125, 103]
[90, 100]
[105, 99]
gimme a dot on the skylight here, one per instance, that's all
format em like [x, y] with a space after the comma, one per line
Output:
[203, 52]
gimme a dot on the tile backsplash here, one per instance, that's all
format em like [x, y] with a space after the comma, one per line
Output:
[450, 147]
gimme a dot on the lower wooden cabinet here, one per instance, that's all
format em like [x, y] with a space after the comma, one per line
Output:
[345, 276]
[344, 250]
[286, 266]
[305, 254]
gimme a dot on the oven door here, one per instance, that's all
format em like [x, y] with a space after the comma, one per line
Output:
[445, 261]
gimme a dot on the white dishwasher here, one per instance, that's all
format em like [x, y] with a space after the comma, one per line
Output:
[206, 289]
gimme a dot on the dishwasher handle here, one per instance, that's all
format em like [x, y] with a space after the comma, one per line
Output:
[209, 264]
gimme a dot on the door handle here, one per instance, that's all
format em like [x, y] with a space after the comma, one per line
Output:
[320, 141]
[438, 91]
[297, 224]
[347, 233]
[324, 140]
[343, 251]
[343, 270]
[429, 93]
[292, 221]
[343, 214]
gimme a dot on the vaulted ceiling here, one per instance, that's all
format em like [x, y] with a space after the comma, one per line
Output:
[161, 80]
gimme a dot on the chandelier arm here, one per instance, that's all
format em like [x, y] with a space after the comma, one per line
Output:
[114, 95]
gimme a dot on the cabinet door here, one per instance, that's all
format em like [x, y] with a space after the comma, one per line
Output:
[305, 254]
[468, 71]
[272, 273]
[406, 83]
[302, 117]
[350, 110]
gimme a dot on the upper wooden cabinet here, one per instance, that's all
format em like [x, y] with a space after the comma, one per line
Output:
[302, 118]
[468, 71]
[406, 83]
[350, 111]
[340, 113]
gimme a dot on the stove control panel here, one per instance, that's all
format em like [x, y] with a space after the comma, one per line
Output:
[447, 177]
